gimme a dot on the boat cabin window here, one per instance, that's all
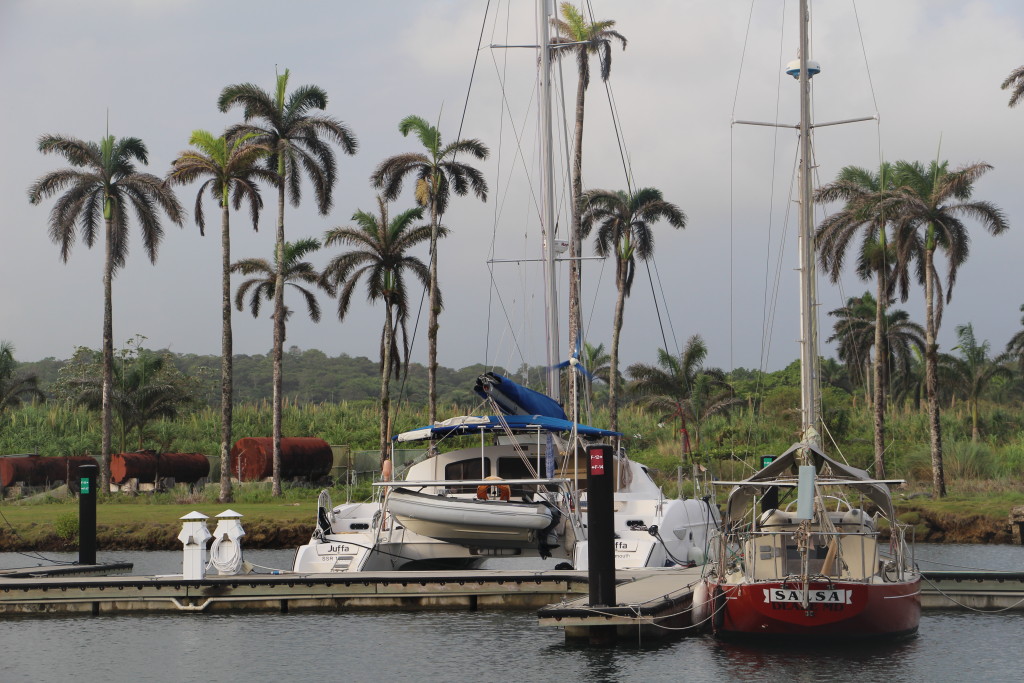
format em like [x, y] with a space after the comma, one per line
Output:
[466, 469]
[515, 468]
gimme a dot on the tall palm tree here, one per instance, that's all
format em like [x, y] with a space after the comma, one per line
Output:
[581, 39]
[379, 255]
[229, 170]
[624, 223]
[974, 370]
[437, 174]
[868, 197]
[291, 270]
[934, 203]
[14, 388]
[299, 142]
[681, 387]
[1015, 84]
[103, 184]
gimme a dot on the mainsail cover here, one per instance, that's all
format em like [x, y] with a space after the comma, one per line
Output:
[515, 399]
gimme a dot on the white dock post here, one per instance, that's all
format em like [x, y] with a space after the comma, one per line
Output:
[226, 553]
[194, 536]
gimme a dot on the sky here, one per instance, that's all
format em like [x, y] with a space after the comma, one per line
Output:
[929, 69]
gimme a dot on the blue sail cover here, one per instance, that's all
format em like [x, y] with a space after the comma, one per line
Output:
[515, 399]
[474, 424]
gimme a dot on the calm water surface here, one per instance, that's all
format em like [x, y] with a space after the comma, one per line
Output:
[460, 646]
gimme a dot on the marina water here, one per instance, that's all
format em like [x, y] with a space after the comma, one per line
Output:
[952, 646]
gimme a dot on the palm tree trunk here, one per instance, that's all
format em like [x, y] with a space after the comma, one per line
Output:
[931, 377]
[385, 384]
[432, 319]
[613, 374]
[575, 243]
[226, 389]
[278, 351]
[975, 432]
[106, 417]
[880, 357]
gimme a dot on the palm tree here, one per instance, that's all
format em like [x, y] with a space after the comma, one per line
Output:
[624, 230]
[582, 39]
[103, 184]
[229, 170]
[974, 370]
[596, 360]
[933, 203]
[681, 387]
[14, 389]
[437, 175]
[1015, 84]
[298, 140]
[379, 256]
[854, 330]
[291, 270]
[867, 198]
[263, 287]
[147, 387]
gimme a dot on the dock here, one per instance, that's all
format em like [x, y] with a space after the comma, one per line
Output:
[985, 591]
[61, 570]
[466, 590]
[653, 606]
[651, 602]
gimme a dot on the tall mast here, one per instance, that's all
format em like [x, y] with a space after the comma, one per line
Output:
[548, 203]
[809, 400]
[808, 318]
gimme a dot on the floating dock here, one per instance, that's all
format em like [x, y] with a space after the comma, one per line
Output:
[652, 601]
[985, 591]
[656, 605]
[471, 590]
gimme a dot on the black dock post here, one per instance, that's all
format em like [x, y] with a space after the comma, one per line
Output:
[87, 514]
[600, 525]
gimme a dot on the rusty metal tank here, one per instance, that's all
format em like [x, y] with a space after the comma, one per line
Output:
[33, 470]
[149, 466]
[252, 458]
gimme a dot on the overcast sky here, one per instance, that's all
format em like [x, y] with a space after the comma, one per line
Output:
[158, 67]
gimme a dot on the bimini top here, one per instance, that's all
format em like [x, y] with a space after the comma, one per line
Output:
[474, 424]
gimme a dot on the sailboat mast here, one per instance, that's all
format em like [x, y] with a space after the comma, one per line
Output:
[548, 203]
[809, 400]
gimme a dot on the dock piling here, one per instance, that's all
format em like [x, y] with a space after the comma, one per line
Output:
[87, 514]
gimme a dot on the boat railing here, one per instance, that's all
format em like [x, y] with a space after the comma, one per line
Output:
[844, 555]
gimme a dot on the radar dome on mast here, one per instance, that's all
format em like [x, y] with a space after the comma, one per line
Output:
[793, 69]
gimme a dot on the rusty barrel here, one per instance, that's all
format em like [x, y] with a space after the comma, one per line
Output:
[252, 458]
[33, 470]
[148, 466]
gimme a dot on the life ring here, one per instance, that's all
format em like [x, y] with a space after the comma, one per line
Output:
[504, 491]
